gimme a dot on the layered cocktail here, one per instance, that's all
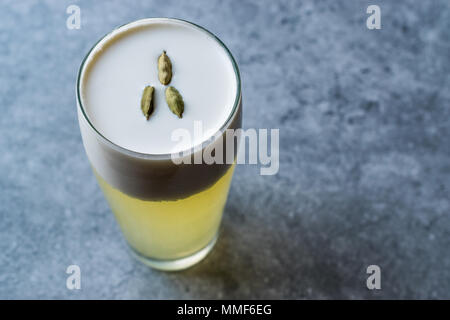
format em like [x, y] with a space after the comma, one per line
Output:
[169, 211]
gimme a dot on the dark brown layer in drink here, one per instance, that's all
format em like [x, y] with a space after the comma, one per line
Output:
[150, 179]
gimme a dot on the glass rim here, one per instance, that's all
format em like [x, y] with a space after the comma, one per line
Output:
[162, 156]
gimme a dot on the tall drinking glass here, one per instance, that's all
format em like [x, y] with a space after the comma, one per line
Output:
[169, 212]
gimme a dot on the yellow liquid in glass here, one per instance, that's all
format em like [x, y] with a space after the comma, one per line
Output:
[169, 229]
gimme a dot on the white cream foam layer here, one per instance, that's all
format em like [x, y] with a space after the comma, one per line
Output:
[124, 62]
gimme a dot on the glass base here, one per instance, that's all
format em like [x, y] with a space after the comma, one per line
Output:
[176, 264]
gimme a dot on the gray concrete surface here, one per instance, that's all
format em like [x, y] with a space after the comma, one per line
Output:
[365, 168]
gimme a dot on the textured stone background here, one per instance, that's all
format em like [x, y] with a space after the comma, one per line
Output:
[365, 168]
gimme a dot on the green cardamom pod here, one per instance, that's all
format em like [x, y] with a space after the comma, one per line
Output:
[147, 101]
[175, 101]
[164, 69]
